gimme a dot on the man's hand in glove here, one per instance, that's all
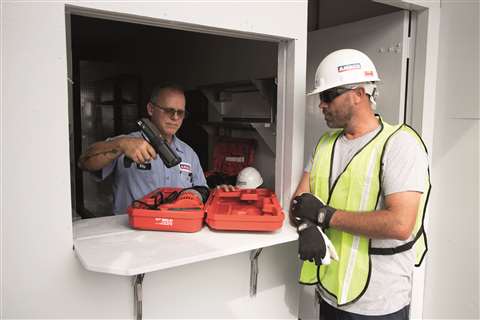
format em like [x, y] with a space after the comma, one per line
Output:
[314, 245]
[308, 207]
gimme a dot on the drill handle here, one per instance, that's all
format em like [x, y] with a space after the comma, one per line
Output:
[168, 156]
[127, 162]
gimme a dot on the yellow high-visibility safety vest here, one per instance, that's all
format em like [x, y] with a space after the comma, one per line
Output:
[357, 189]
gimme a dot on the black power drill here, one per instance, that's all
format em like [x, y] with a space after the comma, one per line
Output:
[153, 136]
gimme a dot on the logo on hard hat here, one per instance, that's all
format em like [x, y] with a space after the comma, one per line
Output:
[368, 73]
[349, 67]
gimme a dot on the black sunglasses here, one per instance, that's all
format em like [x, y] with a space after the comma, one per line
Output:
[329, 95]
[171, 112]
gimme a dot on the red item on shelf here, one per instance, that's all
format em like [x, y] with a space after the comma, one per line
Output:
[184, 214]
[231, 155]
[244, 210]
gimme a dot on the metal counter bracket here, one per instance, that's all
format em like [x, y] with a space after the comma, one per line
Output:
[138, 295]
[254, 271]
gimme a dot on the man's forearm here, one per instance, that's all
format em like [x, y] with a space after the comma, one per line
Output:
[380, 224]
[99, 155]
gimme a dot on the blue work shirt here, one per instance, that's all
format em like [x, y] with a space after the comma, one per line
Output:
[134, 182]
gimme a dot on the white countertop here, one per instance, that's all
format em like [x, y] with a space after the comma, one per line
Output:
[110, 245]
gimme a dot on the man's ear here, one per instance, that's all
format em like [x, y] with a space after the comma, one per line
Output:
[359, 93]
[149, 109]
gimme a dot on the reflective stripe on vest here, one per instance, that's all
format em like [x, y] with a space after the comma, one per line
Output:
[357, 189]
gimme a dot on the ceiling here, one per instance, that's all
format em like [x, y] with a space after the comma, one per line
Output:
[99, 39]
[328, 13]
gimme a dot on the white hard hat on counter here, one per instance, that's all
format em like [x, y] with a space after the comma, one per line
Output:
[249, 178]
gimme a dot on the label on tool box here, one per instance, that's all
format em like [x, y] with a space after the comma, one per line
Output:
[164, 221]
[235, 159]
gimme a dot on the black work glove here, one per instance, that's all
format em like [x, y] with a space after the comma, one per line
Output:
[311, 244]
[308, 207]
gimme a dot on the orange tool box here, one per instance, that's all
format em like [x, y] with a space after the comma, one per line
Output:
[244, 210]
[184, 214]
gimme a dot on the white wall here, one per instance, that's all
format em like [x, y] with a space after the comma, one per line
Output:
[41, 278]
[452, 280]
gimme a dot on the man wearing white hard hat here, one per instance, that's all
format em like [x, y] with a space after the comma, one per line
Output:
[365, 188]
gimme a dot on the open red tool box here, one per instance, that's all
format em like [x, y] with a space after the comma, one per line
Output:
[244, 210]
[157, 211]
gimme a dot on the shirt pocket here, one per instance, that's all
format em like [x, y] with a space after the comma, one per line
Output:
[146, 177]
[186, 178]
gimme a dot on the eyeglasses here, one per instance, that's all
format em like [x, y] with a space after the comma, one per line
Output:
[329, 95]
[171, 112]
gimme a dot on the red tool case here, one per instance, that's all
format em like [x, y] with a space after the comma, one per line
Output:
[231, 155]
[184, 215]
[244, 210]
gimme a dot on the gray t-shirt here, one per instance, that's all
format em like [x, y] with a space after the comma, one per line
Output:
[135, 182]
[405, 168]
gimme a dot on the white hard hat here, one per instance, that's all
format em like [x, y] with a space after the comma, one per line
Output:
[249, 178]
[343, 67]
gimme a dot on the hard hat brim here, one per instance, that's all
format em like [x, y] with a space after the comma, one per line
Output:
[315, 91]
[318, 90]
